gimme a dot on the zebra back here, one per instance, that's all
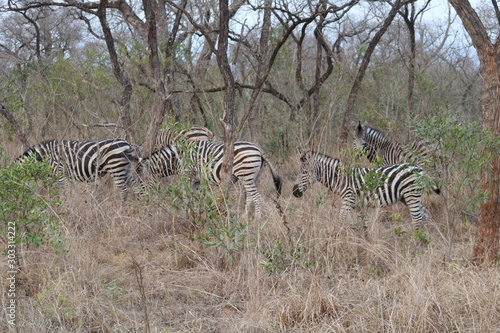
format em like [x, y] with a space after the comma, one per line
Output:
[46, 150]
[378, 146]
[172, 136]
[88, 160]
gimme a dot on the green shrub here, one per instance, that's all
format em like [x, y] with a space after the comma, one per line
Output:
[28, 204]
[278, 257]
[460, 159]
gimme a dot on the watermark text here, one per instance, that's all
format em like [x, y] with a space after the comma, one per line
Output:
[11, 273]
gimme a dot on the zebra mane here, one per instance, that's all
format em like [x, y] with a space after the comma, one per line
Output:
[368, 132]
[326, 160]
[35, 150]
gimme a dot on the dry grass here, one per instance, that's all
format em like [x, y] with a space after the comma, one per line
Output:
[143, 260]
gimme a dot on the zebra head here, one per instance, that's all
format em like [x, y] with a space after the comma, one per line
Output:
[47, 150]
[359, 141]
[366, 139]
[306, 176]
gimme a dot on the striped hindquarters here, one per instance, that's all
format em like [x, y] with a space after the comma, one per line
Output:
[247, 163]
[88, 160]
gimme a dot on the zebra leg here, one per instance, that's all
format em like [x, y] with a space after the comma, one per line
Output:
[252, 195]
[136, 187]
[344, 212]
[417, 211]
[120, 180]
[348, 204]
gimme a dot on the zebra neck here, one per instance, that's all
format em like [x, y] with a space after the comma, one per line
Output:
[327, 171]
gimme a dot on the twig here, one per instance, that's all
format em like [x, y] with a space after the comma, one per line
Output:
[140, 282]
[17, 129]
[282, 214]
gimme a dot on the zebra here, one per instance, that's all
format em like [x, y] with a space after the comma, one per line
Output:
[87, 161]
[248, 163]
[380, 148]
[384, 186]
[169, 137]
[164, 162]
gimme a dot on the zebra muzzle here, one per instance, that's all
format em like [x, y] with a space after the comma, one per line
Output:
[296, 191]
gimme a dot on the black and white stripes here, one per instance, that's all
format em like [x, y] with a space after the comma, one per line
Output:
[169, 137]
[87, 161]
[379, 148]
[398, 182]
[207, 158]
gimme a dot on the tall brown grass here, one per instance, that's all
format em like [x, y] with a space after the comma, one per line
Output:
[301, 272]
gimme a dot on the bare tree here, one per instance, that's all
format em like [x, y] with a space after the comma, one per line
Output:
[99, 10]
[290, 21]
[161, 97]
[121, 76]
[362, 70]
[487, 246]
[262, 56]
[410, 15]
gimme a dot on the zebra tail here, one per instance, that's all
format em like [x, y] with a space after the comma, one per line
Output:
[276, 176]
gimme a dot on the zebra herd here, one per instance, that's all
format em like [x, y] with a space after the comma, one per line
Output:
[396, 180]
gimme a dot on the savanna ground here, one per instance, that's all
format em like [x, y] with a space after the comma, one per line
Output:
[151, 267]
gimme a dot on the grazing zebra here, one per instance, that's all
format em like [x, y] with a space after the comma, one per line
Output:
[169, 137]
[383, 186]
[378, 146]
[162, 163]
[87, 161]
[247, 166]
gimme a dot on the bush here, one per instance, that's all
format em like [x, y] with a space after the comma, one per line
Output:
[28, 203]
[460, 157]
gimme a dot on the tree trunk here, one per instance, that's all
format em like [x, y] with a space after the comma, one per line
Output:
[410, 15]
[161, 96]
[126, 120]
[411, 66]
[229, 93]
[253, 118]
[487, 246]
[15, 125]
